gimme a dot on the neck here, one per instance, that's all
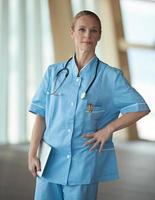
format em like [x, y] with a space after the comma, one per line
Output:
[82, 58]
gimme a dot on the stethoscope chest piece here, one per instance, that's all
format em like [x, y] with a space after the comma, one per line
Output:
[83, 95]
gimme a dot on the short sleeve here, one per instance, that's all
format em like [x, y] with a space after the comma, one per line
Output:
[38, 102]
[126, 98]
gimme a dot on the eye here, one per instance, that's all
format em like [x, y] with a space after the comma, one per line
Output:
[94, 31]
[81, 29]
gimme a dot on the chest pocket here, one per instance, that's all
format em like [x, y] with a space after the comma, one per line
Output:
[92, 119]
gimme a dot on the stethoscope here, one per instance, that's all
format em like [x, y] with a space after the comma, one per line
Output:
[84, 94]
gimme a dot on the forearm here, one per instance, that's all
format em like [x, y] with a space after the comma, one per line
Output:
[37, 132]
[102, 135]
[125, 121]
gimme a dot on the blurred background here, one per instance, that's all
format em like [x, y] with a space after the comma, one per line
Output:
[35, 34]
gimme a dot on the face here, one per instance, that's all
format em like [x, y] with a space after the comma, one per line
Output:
[86, 33]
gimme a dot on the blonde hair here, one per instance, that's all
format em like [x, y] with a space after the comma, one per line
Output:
[85, 13]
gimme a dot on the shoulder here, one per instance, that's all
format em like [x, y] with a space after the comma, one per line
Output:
[53, 68]
[57, 65]
[109, 70]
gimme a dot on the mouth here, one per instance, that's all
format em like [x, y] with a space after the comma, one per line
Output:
[87, 42]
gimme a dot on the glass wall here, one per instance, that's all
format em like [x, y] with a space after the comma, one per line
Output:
[25, 51]
[138, 22]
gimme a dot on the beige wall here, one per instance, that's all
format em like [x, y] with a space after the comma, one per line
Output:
[107, 47]
[61, 17]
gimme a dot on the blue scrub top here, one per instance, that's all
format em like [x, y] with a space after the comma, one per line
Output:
[67, 119]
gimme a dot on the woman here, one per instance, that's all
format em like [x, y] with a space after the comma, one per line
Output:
[77, 111]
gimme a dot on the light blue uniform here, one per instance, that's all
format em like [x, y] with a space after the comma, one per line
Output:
[67, 119]
[50, 191]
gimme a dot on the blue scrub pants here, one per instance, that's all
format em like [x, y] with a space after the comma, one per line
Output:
[51, 191]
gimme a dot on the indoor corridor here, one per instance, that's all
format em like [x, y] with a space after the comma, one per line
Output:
[137, 178]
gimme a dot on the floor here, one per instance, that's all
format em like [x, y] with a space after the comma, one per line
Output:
[136, 165]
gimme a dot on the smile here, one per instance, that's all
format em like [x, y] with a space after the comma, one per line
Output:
[87, 42]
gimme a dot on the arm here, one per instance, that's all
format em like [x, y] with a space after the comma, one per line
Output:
[38, 129]
[102, 135]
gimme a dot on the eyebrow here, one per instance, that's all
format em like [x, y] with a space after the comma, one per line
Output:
[82, 26]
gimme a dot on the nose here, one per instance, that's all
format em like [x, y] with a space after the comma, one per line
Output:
[88, 34]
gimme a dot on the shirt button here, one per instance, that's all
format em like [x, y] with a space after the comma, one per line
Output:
[69, 130]
[77, 79]
[72, 104]
[68, 156]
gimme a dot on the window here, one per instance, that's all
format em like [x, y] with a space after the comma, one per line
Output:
[138, 21]
[25, 51]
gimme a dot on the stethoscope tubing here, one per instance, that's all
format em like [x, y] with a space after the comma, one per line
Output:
[84, 94]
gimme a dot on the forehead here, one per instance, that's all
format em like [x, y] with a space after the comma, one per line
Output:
[87, 21]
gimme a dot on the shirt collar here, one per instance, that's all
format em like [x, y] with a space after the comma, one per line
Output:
[88, 69]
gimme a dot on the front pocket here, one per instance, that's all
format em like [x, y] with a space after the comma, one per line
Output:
[92, 119]
[96, 111]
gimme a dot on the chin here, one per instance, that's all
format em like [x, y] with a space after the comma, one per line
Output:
[87, 48]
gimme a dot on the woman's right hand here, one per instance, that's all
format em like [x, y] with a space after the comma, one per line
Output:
[34, 165]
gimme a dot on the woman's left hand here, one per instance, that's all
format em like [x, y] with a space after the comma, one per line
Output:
[97, 138]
